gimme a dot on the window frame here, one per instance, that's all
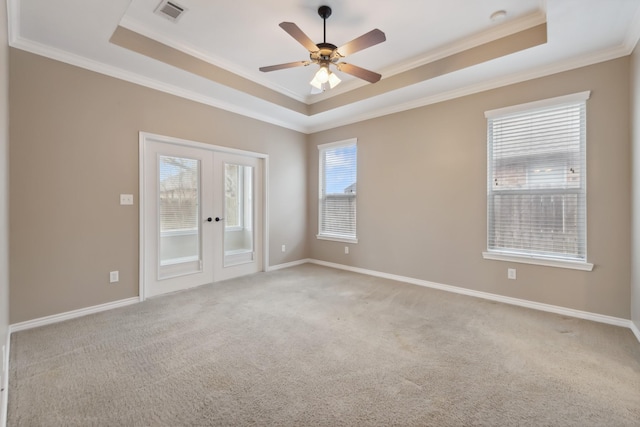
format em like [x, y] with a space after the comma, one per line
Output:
[239, 220]
[518, 255]
[322, 148]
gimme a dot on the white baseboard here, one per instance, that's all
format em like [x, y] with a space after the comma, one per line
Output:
[485, 295]
[48, 320]
[635, 330]
[4, 400]
[288, 264]
[493, 297]
[42, 321]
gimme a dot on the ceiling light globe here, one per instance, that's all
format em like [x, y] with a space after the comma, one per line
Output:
[333, 80]
[316, 83]
[322, 75]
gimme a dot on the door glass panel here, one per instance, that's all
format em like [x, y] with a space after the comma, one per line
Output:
[238, 232]
[178, 201]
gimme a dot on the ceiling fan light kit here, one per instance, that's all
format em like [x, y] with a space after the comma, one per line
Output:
[323, 77]
[326, 54]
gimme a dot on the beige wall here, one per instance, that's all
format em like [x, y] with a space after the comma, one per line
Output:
[4, 184]
[421, 189]
[635, 129]
[74, 149]
[422, 195]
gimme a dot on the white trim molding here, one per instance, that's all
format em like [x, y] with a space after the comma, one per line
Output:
[55, 318]
[135, 25]
[546, 262]
[332, 238]
[48, 320]
[535, 105]
[17, 41]
[145, 81]
[144, 138]
[570, 312]
[4, 396]
[635, 330]
[288, 264]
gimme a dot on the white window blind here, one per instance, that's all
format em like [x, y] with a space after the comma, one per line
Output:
[178, 195]
[178, 209]
[537, 179]
[337, 192]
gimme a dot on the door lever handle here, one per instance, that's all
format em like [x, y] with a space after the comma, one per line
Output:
[219, 219]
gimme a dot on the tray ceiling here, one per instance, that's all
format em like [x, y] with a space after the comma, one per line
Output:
[434, 50]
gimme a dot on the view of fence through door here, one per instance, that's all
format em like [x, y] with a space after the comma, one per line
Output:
[201, 215]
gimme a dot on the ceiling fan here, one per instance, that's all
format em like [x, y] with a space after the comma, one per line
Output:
[326, 54]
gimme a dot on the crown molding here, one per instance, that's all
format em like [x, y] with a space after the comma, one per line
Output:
[571, 64]
[119, 73]
[13, 20]
[469, 42]
[626, 48]
[79, 61]
[631, 40]
[474, 40]
[138, 27]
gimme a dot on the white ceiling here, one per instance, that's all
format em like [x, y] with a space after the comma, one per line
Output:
[242, 35]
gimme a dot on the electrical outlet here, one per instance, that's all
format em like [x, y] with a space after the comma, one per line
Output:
[284, 248]
[114, 276]
[511, 273]
[126, 199]
[346, 249]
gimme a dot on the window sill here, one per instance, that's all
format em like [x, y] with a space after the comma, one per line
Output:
[336, 238]
[547, 262]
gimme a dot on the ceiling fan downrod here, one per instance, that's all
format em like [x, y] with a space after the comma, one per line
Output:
[324, 12]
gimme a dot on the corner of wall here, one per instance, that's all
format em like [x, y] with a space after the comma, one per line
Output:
[4, 208]
[635, 190]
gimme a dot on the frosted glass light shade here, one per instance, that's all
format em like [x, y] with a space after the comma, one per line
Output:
[324, 77]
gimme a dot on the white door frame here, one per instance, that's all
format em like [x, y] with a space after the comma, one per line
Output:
[146, 136]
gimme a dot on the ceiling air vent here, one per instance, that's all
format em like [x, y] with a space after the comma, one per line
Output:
[170, 10]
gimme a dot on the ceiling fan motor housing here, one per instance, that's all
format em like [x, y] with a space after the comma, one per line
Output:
[326, 52]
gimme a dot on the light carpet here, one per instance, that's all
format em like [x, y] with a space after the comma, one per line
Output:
[314, 346]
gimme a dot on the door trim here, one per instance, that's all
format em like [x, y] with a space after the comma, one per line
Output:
[143, 137]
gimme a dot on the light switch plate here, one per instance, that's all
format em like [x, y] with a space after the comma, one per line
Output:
[126, 199]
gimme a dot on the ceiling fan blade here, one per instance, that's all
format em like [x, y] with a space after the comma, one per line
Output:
[369, 39]
[283, 66]
[295, 32]
[358, 72]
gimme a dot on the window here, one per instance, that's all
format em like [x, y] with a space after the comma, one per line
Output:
[239, 214]
[337, 192]
[238, 191]
[178, 201]
[536, 190]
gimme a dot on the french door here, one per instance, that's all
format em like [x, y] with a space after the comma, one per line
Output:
[238, 195]
[201, 215]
